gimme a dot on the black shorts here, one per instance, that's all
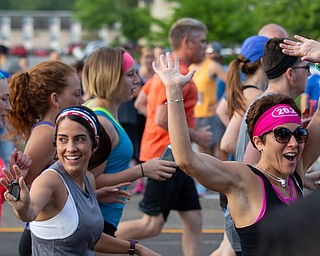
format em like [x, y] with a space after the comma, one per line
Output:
[177, 193]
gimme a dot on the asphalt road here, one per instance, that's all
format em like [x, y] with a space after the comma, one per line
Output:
[167, 243]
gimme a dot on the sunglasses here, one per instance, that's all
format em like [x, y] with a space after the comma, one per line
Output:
[283, 135]
[306, 67]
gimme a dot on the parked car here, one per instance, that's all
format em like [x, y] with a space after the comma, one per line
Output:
[92, 46]
[19, 50]
[69, 48]
[40, 52]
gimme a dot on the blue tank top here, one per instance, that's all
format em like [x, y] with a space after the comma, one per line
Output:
[119, 160]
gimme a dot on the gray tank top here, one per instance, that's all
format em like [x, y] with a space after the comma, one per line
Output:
[90, 225]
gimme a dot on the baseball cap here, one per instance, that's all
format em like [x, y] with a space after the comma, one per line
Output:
[253, 48]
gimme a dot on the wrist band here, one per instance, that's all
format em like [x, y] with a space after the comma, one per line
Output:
[317, 66]
[142, 170]
[173, 101]
[132, 249]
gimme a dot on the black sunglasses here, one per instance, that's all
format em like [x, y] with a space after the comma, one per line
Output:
[283, 135]
[306, 67]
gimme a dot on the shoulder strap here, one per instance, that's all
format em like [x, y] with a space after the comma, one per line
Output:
[43, 122]
[249, 86]
[107, 113]
[298, 181]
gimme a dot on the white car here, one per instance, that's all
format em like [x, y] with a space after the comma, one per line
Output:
[88, 49]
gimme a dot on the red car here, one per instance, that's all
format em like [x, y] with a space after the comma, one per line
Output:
[19, 50]
[70, 47]
[40, 52]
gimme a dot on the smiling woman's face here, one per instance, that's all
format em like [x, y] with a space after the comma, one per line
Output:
[74, 146]
[5, 106]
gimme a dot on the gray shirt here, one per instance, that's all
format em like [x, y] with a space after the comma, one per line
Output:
[88, 230]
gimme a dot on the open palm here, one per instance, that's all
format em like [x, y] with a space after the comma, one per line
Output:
[169, 72]
[308, 49]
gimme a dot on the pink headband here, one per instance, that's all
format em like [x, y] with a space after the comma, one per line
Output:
[128, 61]
[277, 115]
[74, 112]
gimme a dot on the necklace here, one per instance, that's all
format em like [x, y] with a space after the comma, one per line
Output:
[272, 176]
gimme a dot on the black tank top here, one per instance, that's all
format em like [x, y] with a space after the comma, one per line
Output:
[249, 235]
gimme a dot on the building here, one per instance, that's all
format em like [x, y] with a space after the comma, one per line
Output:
[56, 29]
[39, 29]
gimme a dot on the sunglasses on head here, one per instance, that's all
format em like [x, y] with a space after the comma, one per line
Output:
[283, 135]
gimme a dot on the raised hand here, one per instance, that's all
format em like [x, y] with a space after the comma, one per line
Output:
[23, 201]
[169, 72]
[307, 49]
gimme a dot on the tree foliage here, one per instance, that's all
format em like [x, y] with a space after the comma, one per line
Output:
[37, 4]
[297, 17]
[135, 21]
[97, 13]
[232, 21]
[228, 22]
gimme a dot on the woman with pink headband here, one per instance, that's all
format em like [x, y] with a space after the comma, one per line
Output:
[109, 77]
[275, 129]
[61, 205]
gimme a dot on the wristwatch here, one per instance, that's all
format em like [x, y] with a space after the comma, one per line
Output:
[132, 249]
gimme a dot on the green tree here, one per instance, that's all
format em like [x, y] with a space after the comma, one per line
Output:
[232, 21]
[97, 13]
[135, 21]
[36, 5]
[228, 22]
[298, 17]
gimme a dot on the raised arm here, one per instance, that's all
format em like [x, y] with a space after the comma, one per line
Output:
[208, 170]
[307, 49]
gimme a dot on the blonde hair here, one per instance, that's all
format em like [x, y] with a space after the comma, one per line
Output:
[102, 72]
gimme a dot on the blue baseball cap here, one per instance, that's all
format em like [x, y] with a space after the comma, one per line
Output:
[253, 48]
